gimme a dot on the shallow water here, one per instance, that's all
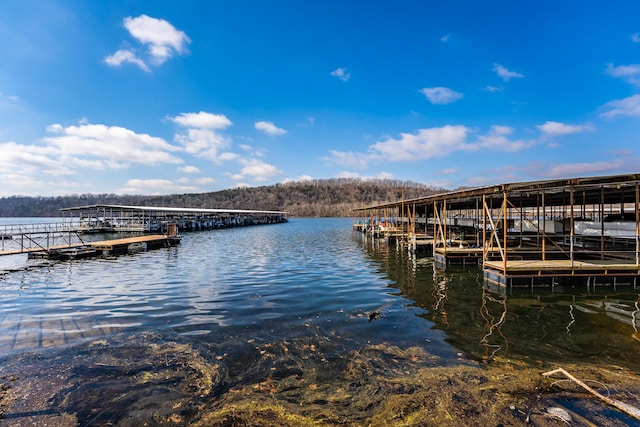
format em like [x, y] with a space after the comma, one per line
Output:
[249, 283]
[273, 303]
[566, 324]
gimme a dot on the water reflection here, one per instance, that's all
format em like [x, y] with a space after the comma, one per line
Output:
[570, 324]
[494, 313]
[440, 293]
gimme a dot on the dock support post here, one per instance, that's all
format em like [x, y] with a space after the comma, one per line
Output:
[637, 224]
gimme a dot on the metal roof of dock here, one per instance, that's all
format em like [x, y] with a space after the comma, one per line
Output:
[162, 209]
[588, 190]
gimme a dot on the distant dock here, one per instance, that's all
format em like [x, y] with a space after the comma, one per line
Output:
[73, 237]
[152, 219]
[578, 231]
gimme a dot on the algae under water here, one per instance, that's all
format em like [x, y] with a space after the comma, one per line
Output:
[273, 326]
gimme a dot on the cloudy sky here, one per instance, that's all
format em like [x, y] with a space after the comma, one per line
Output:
[159, 97]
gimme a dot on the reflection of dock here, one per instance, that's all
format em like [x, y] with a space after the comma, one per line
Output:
[581, 229]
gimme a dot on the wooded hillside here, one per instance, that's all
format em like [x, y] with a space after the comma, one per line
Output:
[315, 198]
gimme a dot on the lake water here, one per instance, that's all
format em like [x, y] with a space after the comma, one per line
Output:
[278, 303]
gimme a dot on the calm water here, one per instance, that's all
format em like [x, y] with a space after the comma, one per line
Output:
[236, 284]
[310, 281]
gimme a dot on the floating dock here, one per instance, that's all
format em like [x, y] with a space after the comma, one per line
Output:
[66, 238]
[578, 230]
[110, 247]
[153, 219]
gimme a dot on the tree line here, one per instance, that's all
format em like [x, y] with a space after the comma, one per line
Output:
[312, 198]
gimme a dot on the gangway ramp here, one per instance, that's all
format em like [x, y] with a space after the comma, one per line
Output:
[26, 238]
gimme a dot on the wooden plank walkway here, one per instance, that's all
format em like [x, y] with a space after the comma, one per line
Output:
[602, 267]
[152, 241]
[109, 245]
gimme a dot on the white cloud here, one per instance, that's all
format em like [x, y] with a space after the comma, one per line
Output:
[426, 143]
[410, 147]
[497, 140]
[269, 128]
[430, 143]
[259, 170]
[302, 178]
[201, 138]
[228, 156]
[552, 128]
[161, 39]
[30, 185]
[241, 185]
[188, 169]
[494, 89]
[506, 74]
[441, 95]
[349, 158]
[635, 38]
[123, 56]
[347, 174]
[202, 120]
[28, 169]
[445, 38]
[203, 143]
[629, 106]
[10, 98]
[629, 73]
[582, 169]
[341, 73]
[156, 186]
[26, 160]
[381, 175]
[204, 181]
[107, 146]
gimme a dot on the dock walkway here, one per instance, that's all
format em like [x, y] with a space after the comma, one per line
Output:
[103, 247]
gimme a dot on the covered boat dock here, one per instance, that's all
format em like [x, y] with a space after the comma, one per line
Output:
[152, 219]
[67, 237]
[527, 233]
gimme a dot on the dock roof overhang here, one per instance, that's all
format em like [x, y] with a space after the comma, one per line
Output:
[171, 210]
[613, 189]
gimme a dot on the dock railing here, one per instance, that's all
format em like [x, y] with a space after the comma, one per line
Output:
[20, 238]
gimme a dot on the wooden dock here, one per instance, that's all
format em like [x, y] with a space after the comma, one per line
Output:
[104, 247]
[590, 273]
[446, 256]
[120, 245]
[536, 232]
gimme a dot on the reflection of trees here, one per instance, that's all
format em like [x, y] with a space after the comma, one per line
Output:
[493, 327]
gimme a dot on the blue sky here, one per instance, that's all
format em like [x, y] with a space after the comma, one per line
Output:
[159, 97]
